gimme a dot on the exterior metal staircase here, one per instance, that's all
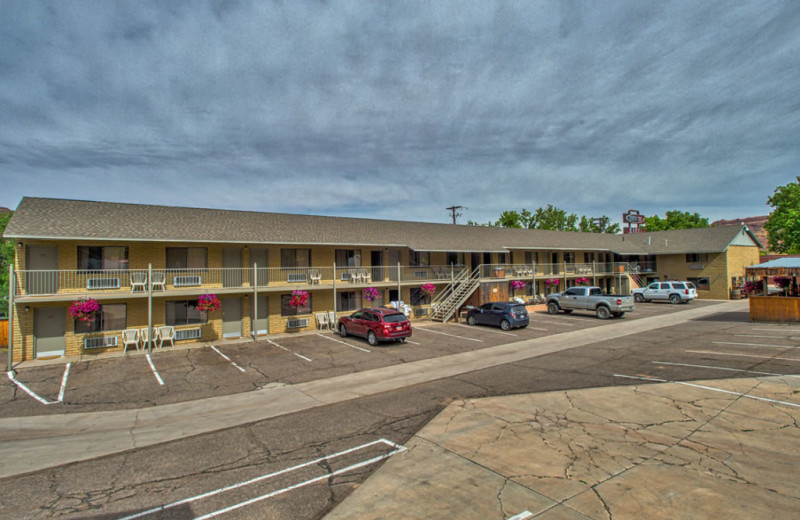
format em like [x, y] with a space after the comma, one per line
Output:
[446, 303]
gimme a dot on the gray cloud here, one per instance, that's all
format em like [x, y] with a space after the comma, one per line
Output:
[397, 110]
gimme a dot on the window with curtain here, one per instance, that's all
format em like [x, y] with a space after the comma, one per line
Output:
[348, 258]
[295, 258]
[419, 258]
[187, 258]
[184, 312]
[95, 258]
[288, 310]
[111, 316]
[455, 258]
[349, 301]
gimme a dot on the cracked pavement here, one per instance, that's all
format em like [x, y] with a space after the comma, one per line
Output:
[567, 455]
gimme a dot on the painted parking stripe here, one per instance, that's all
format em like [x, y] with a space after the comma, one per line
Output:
[413, 342]
[451, 335]
[287, 350]
[522, 516]
[556, 322]
[343, 343]
[36, 396]
[752, 344]
[714, 389]
[727, 369]
[396, 448]
[741, 355]
[760, 336]
[484, 328]
[153, 368]
[226, 357]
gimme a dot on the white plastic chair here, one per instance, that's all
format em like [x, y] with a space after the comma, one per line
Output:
[138, 280]
[159, 280]
[332, 319]
[166, 333]
[144, 337]
[322, 320]
[365, 275]
[130, 337]
[315, 276]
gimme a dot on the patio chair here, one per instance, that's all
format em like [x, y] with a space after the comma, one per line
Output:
[332, 320]
[540, 298]
[322, 320]
[138, 280]
[145, 339]
[159, 280]
[130, 337]
[314, 276]
[365, 275]
[166, 333]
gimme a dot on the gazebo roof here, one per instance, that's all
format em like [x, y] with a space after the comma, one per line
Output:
[780, 266]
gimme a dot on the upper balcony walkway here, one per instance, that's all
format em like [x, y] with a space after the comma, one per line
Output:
[56, 285]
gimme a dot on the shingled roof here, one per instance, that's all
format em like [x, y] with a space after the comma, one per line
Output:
[41, 218]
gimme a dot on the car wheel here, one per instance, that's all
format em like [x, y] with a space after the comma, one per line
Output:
[471, 320]
[603, 312]
[342, 330]
[638, 298]
[674, 299]
[552, 308]
[505, 325]
[372, 338]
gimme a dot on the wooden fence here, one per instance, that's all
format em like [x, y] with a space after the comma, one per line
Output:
[3, 333]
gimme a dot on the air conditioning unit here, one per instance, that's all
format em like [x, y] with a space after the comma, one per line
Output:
[187, 334]
[102, 283]
[186, 281]
[421, 311]
[297, 277]
[296, 323]
[421, 274]
[100, 342]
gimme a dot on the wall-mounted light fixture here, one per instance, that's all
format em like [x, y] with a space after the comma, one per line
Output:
[27, 308]
[19, 244]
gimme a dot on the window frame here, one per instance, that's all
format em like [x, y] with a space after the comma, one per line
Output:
[99, 323]
[201, 316]
[296, 259]
[179, 257]
[289, 311]
[124, 264]
[353, 298]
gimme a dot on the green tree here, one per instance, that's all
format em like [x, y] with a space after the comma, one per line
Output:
[554, 218]
[6, 259]
[590, 226]
[783, 225]
[675, 220]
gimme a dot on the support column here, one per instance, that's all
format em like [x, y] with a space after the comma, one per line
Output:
[254, 319]
[12, 284]
[334, 291]
[150, 308]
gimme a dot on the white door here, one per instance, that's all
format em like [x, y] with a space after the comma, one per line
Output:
[261, 322]
[49, 331]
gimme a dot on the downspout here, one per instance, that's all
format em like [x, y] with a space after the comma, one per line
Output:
[11, 286]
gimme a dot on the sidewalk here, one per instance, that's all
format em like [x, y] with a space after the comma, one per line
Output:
[660, 451]
[34, 443]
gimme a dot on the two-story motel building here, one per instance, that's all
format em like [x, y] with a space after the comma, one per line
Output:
[147, 266]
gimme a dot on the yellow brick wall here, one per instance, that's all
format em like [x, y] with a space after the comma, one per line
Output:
[739, 257]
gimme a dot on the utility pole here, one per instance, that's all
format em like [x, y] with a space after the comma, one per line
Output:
[455, 212]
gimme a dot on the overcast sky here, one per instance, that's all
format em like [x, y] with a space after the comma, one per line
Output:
[400, 109]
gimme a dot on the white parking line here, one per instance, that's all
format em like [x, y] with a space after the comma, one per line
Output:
[752, 344]
[153, 368]
[486, 329]
[760, 336]
[344, 343]
[413, 342]
[287, 350]
[522, 516]
[37, 396]
[776, 328]
[709, 388]
[226, 357]
[728, 369]
[396, 449]
[741, 355]
[451, 335]
[556, 322]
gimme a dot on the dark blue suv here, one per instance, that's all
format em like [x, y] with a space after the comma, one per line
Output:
[506, 315]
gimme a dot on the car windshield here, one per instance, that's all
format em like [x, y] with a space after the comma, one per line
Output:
[517, 309]
[394, 318]
[689, 285]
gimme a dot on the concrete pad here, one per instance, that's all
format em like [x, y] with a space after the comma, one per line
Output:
[667, 451]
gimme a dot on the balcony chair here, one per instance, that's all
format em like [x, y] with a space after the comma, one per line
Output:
[145, 339]
[138, 280]
[159, 280]
[365, 275]
[130, 337]
[166, 333]
[332, 320]
[322, 320]
[314, 276]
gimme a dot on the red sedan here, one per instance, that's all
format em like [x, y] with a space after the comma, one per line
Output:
[376, 324]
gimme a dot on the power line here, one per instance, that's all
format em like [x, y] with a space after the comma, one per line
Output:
[454, 212]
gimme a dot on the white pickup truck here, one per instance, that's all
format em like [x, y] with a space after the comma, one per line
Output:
[592, 299]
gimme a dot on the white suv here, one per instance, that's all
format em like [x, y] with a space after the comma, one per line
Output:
[674, 292]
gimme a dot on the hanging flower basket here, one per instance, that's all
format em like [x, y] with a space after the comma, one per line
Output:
[84, 309]
[371, 294]
[552, 282]
[582, 281]
[782, 281]
[752, 287]
[517, 285]
[209, 303]
[428, 289]
[299, 299]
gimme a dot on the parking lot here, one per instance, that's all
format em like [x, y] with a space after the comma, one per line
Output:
[199, 371]
[300, 464]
